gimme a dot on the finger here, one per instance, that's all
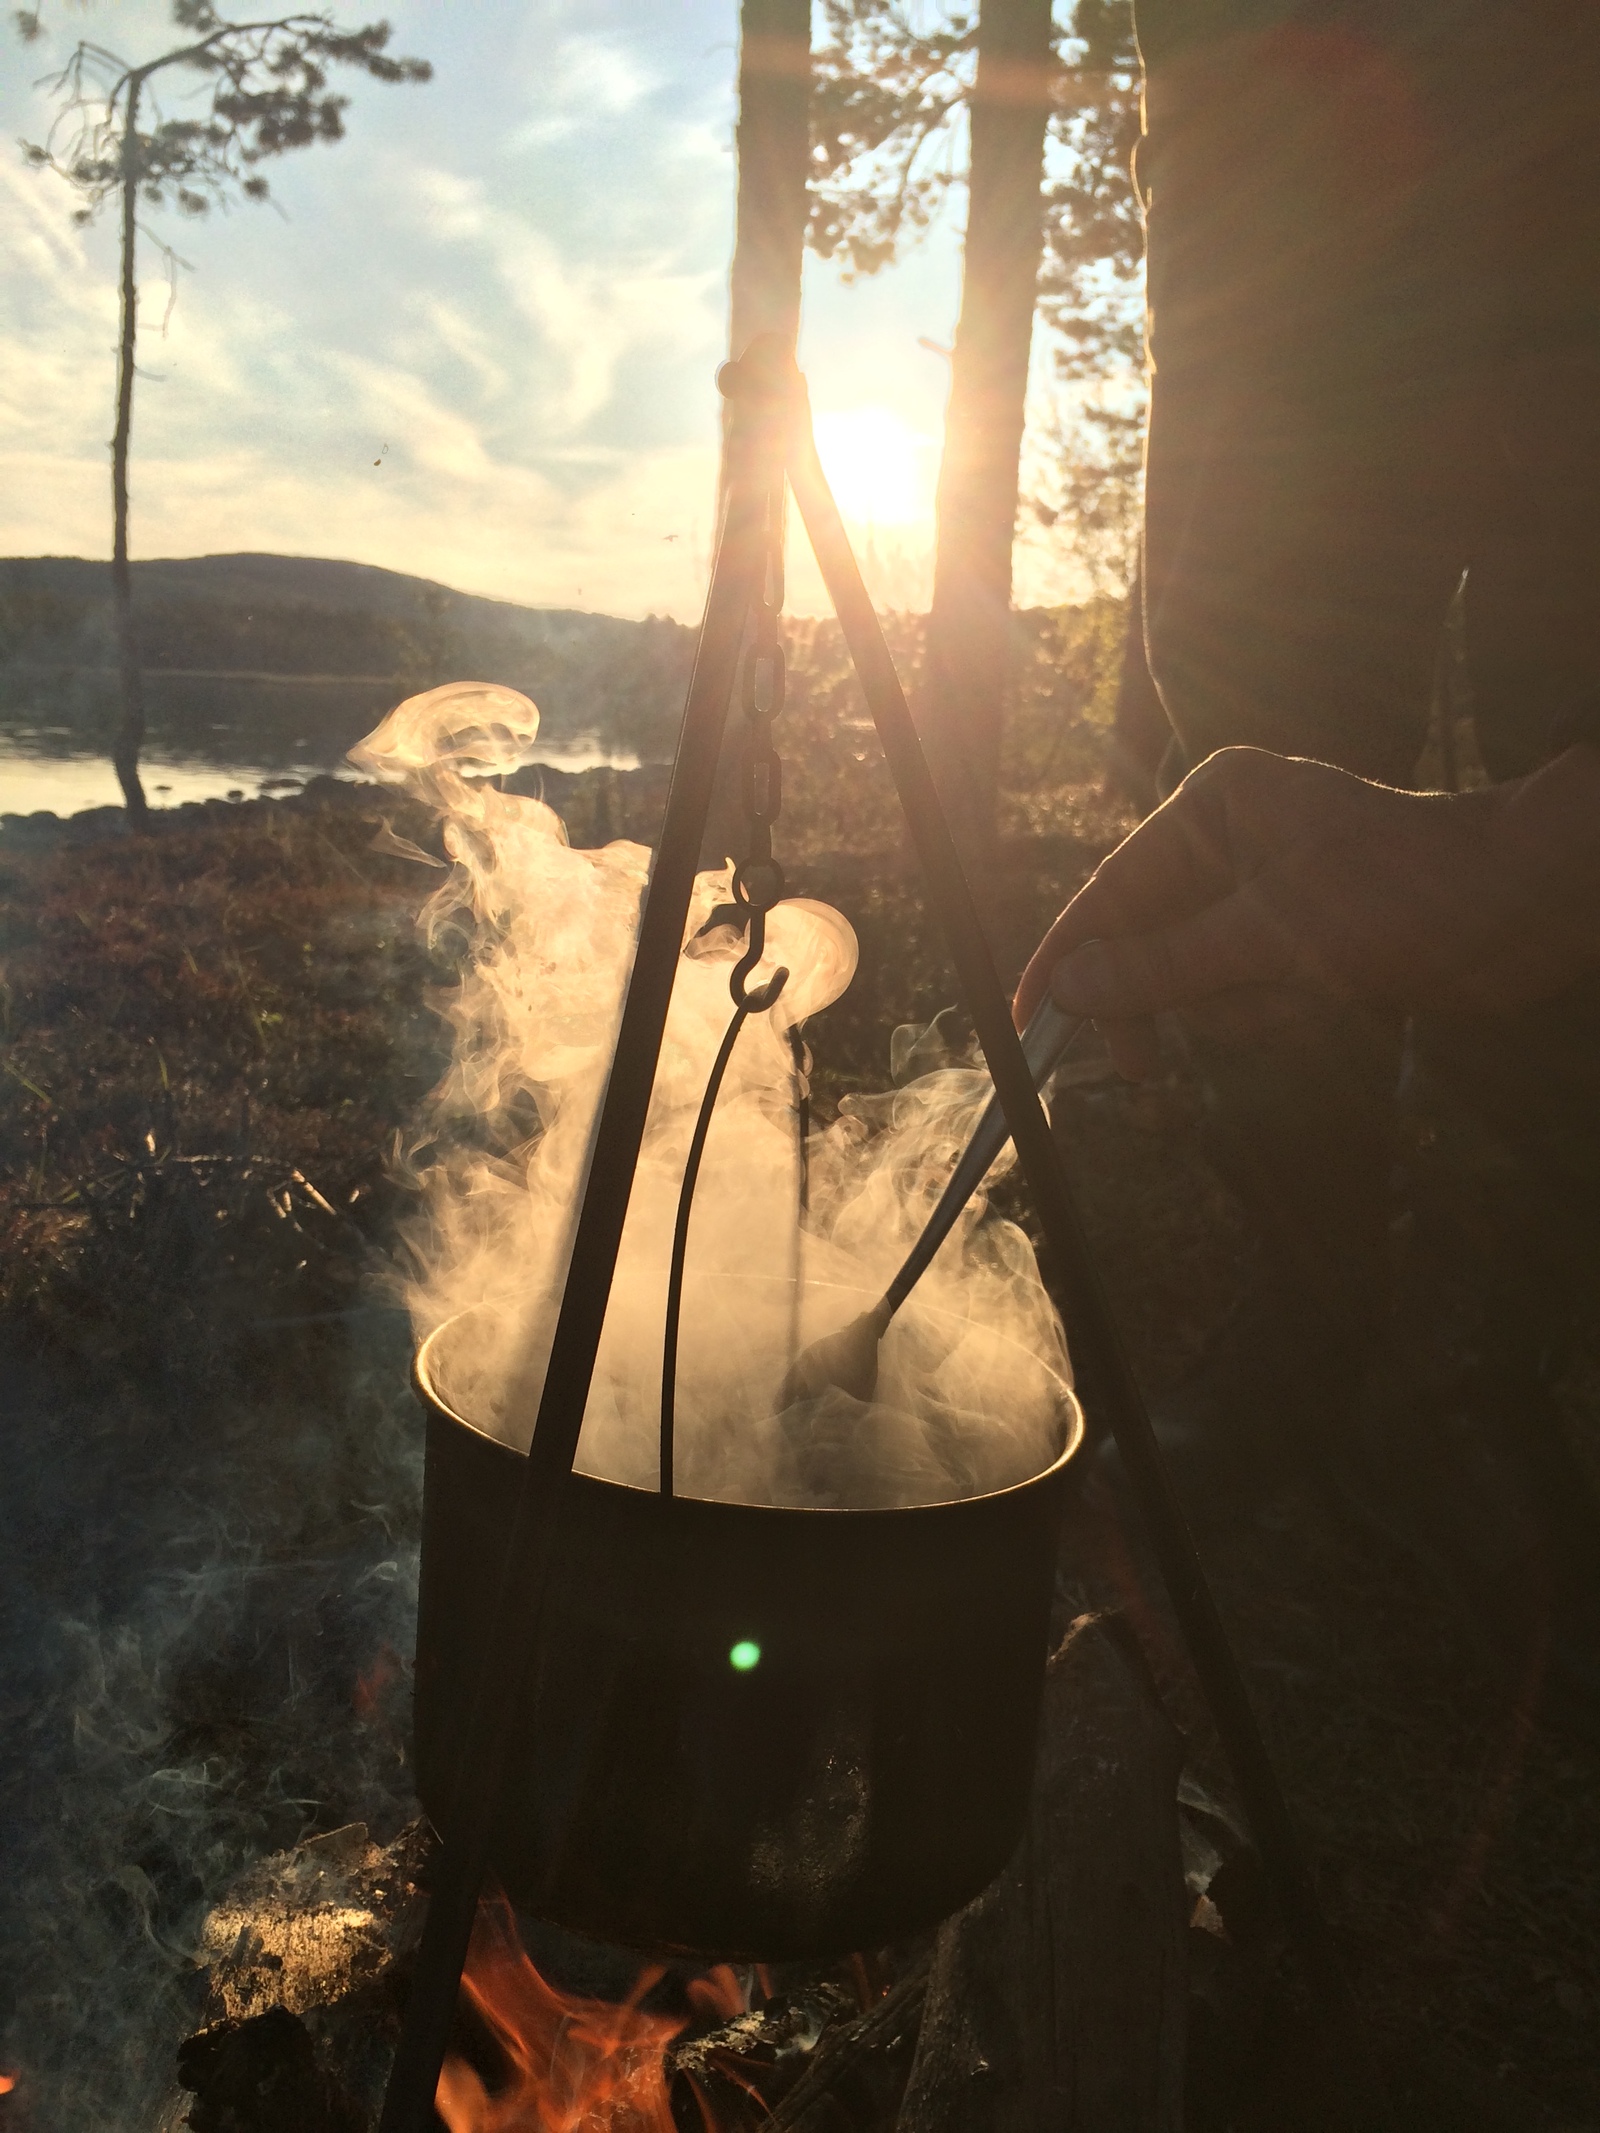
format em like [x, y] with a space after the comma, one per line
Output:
[1230, 944]
[1174, 863]
[1134, 1047]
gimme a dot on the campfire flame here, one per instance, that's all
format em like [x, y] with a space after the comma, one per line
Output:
[969, 1379]
[571, 2065]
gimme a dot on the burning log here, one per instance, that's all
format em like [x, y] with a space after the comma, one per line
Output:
[313, 1927]
[307, 1960]
[1059, 1996]
[759, 2053]
[857, 2075]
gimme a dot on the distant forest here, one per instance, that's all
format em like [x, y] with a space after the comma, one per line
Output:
[281, 642]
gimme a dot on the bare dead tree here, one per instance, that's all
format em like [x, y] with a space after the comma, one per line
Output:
[268, 83]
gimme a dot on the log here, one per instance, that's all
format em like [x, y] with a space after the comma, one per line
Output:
[857, 2071]
[1057, 2000]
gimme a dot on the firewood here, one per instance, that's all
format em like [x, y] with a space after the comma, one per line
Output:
[857, 2071]
[262, 2076]
[1057, 1999]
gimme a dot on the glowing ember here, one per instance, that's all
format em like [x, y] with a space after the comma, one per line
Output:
[370, 1686]
[570, 2065]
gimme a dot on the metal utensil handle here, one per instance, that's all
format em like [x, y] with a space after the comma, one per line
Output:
[1046, 1041]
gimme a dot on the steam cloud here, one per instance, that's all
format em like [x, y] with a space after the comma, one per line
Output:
[969, 1394]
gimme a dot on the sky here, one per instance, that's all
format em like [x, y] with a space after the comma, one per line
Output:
[476, 340]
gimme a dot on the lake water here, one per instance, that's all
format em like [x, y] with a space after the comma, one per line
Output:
[35, 778]
[208, 737]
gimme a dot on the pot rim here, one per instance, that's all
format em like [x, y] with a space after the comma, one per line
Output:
[431, 1396]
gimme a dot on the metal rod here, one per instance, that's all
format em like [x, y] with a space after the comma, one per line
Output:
[1045, 1043]
[1095, 1340]
[512, 1636]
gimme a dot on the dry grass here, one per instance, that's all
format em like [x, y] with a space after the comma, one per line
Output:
[192, 1019]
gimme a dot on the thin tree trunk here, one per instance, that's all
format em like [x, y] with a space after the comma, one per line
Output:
[773, 147]
[962, 698]
[130, 730]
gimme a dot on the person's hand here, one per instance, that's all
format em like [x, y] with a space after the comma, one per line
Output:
[1267, 886]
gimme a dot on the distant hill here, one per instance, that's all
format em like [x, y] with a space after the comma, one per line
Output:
[306, 641]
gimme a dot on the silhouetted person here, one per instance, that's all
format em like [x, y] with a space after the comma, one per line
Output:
[1374, 285]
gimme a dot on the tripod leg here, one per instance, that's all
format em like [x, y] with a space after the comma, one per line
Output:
[512, 1642]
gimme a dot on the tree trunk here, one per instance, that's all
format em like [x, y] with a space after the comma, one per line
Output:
[130, 730]
[773, 146]
[1140, 731]
[962, 699]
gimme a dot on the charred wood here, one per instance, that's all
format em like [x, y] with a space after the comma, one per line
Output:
[262, 2076]
[305, 1962]
[744, 2066]
[856, 2076]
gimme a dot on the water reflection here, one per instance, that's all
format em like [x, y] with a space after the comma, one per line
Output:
[67, 784]
[35, 778]
[209, 738]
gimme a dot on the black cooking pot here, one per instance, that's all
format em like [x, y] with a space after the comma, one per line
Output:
[754, 1732]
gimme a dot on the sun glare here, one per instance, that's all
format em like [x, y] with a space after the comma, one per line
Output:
[882, 471]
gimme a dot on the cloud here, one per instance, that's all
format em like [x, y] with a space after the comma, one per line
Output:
[479, 342]
[586, 75]
[521, 329]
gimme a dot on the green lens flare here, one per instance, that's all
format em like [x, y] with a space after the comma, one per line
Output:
[744, 1656]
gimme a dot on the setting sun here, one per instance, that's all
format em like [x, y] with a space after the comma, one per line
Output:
[882, 470]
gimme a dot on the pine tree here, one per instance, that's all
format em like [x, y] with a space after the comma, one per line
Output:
[1053, 225]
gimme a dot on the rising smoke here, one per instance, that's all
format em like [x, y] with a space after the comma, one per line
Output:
[969, 1390]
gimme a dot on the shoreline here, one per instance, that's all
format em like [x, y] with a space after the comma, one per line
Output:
[645, 783]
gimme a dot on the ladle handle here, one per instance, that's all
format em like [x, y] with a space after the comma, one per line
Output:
[1045, 1041]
